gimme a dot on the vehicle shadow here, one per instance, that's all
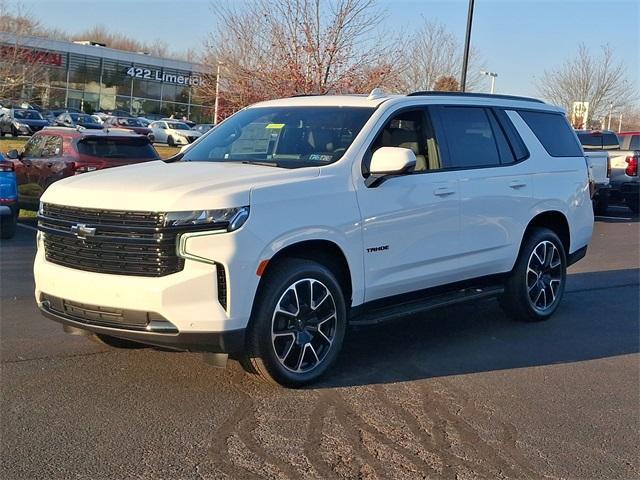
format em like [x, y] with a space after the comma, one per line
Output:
[598, 318]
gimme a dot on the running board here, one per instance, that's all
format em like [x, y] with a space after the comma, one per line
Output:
[373, 315]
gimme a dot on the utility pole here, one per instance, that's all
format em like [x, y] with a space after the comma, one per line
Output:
[215, 106]
[467, 41]
[610, 111]
[620, 123]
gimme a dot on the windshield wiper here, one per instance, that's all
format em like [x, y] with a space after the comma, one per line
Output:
[266, 164]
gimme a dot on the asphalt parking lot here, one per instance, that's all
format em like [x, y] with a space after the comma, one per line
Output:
[455, 393]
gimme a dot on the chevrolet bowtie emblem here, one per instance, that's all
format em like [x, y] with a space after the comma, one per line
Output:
[81, 231]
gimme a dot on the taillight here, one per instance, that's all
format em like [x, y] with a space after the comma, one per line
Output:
[6, 167]
[80, 168]
[632, 166]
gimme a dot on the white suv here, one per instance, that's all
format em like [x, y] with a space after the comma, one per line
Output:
[295, 218]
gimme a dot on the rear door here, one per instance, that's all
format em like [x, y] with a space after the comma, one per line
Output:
[496, 191]
[50, 166]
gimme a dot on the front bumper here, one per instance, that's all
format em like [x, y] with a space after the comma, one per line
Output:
[230, 341]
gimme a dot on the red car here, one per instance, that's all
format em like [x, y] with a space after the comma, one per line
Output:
[128, 123]
[56, 152]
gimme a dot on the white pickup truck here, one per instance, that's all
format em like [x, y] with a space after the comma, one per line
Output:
[596, 147]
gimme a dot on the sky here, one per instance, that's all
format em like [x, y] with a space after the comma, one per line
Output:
[517, 39]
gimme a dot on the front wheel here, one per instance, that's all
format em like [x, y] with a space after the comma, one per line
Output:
[298, 324]
[170, 141]
[535, 286]
[14, 131]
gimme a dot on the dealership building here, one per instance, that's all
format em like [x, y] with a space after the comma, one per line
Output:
[92, 77]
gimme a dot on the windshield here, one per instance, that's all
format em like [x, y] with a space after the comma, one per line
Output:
[289, 137]
[77, 117]
[27, 114]
[598, 141]
[178, 126]
[130, 122]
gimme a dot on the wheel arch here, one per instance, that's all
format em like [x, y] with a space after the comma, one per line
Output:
[323, 251]
[555, 221]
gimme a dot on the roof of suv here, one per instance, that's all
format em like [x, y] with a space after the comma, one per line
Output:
[81, 133]
[376, 98]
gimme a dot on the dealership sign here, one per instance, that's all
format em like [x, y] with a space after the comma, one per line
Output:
[159, 76]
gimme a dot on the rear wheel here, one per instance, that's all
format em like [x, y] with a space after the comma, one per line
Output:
[634, 204]
[535, 286]
[116, 342]
[601, 204]
[298, 324]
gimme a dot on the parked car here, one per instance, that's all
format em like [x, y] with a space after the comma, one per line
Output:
[129, 123]
[56, 153]
[295, 218]
[144, 121]
[73, 120]
[21, 122]
[624, 176]
[596, 145]
[203, 127]
[173, 133]
[8, 199]
[189, 123]
[623, 163]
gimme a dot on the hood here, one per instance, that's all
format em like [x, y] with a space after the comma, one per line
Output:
[90, 126]
[159, 186]
[188, 133]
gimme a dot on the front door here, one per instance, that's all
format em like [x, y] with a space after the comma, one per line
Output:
[410, 223]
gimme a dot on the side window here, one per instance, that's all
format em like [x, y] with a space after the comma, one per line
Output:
[52, 146]
[518, 147]
[409, 129]
[33, 148]
[554, 133]
[470, 138]
[634, 144]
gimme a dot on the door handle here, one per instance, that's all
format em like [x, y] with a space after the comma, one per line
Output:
[517, 184]
[443, 192]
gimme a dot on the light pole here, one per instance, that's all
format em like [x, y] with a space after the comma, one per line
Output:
[467, 42]
[493, 76]
[215, 106]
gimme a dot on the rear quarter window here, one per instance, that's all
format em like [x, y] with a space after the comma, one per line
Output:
[118, 148]
[554, 133]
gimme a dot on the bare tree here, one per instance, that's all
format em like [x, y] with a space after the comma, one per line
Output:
[600, 80]
[21, 68]
[274, 48]
[435, 52]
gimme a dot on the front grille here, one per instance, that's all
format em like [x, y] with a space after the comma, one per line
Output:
[109, 241]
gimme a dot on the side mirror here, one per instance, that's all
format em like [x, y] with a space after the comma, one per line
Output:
[388, 161]
[13, 154]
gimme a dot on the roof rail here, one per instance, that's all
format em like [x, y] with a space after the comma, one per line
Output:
[474, 95]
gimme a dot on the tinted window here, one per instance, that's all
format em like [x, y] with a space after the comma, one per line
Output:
[51, 146]
[289, 137]
[554, 133]
[516, 143]
[33, 148]
[117, 148]
[470, 138]
[635, 142]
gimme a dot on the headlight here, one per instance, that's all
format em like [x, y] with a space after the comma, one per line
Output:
[229, 218]
[21, 125]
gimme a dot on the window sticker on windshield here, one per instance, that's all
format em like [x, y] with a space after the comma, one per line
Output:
[314, 157]
[275, 126]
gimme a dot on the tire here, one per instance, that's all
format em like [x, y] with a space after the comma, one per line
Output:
[634, 204]
[8, 225]
[1, 132]
[115, 342]
[170, 141]
[541, 264]
[291, 339]
[14, 131]
[601, 205]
